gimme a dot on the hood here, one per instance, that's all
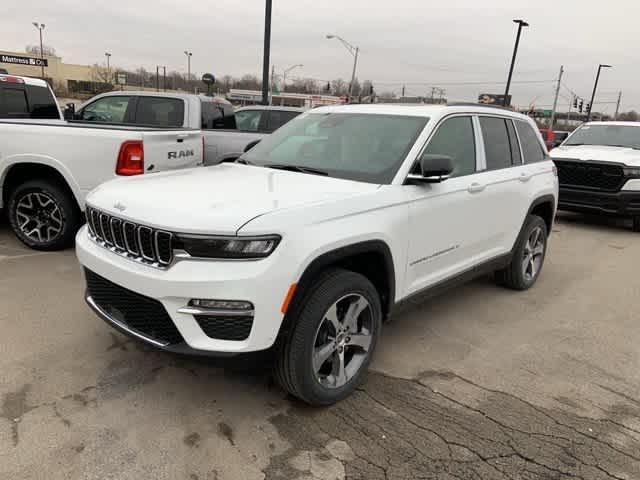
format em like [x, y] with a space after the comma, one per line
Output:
[218, 199]
[601, 153]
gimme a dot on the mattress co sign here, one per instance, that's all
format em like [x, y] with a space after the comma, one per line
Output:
[34, 62]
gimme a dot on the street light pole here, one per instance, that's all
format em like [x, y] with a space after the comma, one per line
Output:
[521, 24]
[353, 51]
[284, 75]
[595, 87]
[108, 55]
[188, 54]
[40, 27]
[266, 53]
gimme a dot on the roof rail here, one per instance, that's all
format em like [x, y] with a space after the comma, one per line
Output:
[477, 104]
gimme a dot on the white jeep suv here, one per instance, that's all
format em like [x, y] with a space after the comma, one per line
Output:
[315, 235]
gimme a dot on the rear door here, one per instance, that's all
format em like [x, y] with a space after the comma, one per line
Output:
[505, 178]
[162, 112]
[171, 150]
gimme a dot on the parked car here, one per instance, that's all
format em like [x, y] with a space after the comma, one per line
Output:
[548, 136]
[599, 170]
[25, 97]
[559, 137]
[318, 233]
[215, 116]
[48, 166]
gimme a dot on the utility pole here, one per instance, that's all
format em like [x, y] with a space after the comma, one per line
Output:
[157, 78]
[108, 55]
[266, 52]
[521, 23]
[615, 117]
[40, 27]
[595, 87]
[164, 78]
[403, 88]
[188, 54]
[555, 100]
[273, 82]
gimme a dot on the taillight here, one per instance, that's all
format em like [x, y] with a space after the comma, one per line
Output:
[130, 158]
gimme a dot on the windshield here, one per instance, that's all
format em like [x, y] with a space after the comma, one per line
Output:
[610, 135]
[363, 147]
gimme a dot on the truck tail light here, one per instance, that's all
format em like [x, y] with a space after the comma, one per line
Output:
[130, 158]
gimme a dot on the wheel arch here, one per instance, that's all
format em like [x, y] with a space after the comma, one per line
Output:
[544, 207]
[371, 258]
[25, 169]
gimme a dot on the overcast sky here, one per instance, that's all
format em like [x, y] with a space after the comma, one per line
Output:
[421, 43]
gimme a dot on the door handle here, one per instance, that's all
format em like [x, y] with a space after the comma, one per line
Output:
[525, 177]
[476, 187]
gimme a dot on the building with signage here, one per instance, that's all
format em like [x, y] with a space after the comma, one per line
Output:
[304, 100]
[65, 76]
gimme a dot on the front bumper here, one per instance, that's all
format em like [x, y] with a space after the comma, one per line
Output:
[622, 203]
[263, 283]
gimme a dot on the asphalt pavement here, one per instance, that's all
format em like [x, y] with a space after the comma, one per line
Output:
[479, 383]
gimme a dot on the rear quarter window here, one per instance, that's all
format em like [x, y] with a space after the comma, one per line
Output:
[531, 148]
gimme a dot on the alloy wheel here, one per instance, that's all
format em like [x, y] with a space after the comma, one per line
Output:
[533, 254]
[38, 217]
[342, 341]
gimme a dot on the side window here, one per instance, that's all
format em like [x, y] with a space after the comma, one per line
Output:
[516, 156]
[248, 120]
[13, 103]
[41, 102]
[217, 116]
[106, 110]
[531, 147]
[496, 142]
[160, 112]
[277, 118]
[455, 139]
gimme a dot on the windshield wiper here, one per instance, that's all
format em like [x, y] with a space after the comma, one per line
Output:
[298, 168]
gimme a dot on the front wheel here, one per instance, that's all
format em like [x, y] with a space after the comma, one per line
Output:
[528, 256]
[327, 353]
[43, 215]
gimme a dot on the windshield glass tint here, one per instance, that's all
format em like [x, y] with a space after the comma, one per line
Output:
[363, 147]
[612, 135]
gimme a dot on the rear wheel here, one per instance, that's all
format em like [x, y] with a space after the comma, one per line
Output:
[528, 256]
[326, 355]
[43, 215]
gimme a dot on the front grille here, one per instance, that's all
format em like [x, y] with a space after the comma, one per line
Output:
[225, 328]
[139, 313]
[134, 241]
[590, 175]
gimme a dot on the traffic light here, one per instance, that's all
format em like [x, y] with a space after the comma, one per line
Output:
[575, 102]
[581, 105]
[588, 108]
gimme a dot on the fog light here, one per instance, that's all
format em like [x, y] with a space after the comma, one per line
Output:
[221, 304]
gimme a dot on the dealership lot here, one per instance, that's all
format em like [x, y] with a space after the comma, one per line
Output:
[480, 382]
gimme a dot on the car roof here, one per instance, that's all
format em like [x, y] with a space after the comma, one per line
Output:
[182, 95]
[271, 107]
[420, 110]
[37, 82]
[621, 124]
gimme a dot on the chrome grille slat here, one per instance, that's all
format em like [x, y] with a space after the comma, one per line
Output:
[136, 242]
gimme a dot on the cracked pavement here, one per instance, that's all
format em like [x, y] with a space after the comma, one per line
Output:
[479, 383]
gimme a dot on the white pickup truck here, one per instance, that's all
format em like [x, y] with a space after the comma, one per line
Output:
[47, 166]
[227, 133]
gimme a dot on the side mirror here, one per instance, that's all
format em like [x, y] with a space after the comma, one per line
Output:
[250, 145]
[70, 111]
[432, 168]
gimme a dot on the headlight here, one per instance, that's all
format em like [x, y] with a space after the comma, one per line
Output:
[631, 171]
[226, 247]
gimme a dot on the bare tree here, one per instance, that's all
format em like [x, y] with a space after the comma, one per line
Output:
[48, 50]
[339, 87]
[100, 73]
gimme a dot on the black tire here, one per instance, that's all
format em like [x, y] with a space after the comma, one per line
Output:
[294, 363]
[636, 224]
[70, 215]
[514, 275]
